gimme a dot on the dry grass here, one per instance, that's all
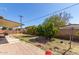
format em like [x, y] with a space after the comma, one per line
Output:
[57, 45]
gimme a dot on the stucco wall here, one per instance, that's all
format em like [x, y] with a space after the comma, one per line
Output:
[65, 33]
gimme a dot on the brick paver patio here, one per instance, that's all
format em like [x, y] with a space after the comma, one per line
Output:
[19, 48]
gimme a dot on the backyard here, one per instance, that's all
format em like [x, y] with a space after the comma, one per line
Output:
[54, 32]
[58, 46]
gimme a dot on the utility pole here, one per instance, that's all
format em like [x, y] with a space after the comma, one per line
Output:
[21, 22]
[71, 37]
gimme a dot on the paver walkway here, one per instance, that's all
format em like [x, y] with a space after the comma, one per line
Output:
[11, 39]
[20, 48]
[15, 47]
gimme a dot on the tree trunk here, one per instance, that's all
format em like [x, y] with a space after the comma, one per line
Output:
[70, 43]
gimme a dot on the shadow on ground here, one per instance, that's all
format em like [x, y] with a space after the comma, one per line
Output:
[67, 37]
[28, 36]
[3, 40]
[42, 40]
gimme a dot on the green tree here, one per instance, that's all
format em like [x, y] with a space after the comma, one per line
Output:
[58, 20]
[48, 30]
[31, 30]
[4, 28]
[51, 25]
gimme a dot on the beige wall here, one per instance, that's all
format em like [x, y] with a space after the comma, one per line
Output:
[64, 33]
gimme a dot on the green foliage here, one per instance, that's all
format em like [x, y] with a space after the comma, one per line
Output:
[4, 28]
[50, 26]
[18, 29]
[9, 28]
[40, 30]
[58, 20]
[31, 30]
[47, 30]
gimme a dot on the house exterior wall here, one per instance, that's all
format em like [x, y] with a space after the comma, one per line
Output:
[65, 33]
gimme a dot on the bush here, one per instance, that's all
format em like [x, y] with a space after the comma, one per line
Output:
[61, 41]
[47, 30]
[31, 30]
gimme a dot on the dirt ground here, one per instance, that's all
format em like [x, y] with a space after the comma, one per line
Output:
[58, 45]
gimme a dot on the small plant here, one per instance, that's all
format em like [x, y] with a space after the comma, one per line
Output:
[61, 41]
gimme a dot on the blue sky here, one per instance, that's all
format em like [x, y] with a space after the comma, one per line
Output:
[11, 11]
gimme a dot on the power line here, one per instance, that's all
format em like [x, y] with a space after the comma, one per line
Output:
[55, 11]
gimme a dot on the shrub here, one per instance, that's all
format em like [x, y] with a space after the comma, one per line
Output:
[31, 30]
[61, 41]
